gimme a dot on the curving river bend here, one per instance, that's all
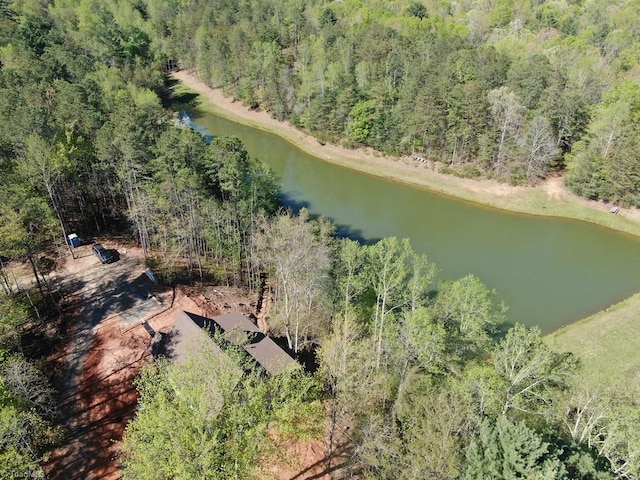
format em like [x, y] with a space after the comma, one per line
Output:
[549, 271]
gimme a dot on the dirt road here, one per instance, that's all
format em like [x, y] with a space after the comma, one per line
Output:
[105, 345]
[103, 349]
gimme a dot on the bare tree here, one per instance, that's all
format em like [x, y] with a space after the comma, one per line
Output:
[139, 203]
[24, 381]
[296, 253]
[540, 147]
[507, 114]
[606, 425]
[530, 368]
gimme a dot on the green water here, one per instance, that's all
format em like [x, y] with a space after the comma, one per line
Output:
[549, 271]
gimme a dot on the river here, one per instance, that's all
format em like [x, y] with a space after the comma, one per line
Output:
[549, 271]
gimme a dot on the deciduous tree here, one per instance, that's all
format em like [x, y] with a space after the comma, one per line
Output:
[540, 148]
[470, 313]
[507, 115]
[531, 369]
[295, 250]
[205, 418]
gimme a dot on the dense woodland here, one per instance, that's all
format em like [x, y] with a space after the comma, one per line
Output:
[428, 378]
[509, 89]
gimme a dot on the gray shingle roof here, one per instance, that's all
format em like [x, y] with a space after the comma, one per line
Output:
[190, 330]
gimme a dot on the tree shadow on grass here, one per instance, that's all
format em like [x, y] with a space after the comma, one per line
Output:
[182, 98]
[171, 99]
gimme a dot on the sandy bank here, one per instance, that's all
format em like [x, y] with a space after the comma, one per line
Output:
[550, 198]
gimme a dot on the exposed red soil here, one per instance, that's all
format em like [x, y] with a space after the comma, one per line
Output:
[307, 460]
[96, 415]
[101, 397]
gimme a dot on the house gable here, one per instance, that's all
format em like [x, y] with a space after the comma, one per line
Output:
[190, 330]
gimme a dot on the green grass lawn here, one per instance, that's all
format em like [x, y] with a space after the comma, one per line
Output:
[608, 344]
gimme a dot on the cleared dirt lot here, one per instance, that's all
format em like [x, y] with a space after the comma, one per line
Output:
[109, 310]
[103, 347]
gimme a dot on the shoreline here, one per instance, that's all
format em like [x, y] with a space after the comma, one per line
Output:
[550, 198]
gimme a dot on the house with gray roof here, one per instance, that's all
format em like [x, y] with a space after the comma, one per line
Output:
[191, 331]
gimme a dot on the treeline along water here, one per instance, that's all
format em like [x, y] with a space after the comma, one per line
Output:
[549, 271]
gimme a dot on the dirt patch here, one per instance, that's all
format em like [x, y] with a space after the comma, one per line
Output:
[218, 300]
[308, 459]
[103, 347]
[557, 191]
[105, 343]
[98, 411]
[555, 188]
[106, 397]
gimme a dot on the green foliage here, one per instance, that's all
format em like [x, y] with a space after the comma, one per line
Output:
[12, 233]
[346, 367]
[327, 17]
[469, 312]
[505, 450]
[295, 405]
[428, 383]
[36, 33]
[227, 167]
[501, 13]
[363, 116]
[604, 165]
[26, 408]
[483, 388]
[435, 422]
[505, 89]
[423, 440]
[26, 221]
[348, 276]
[403, 76]
[13, 315]
[204, 418]
[264, 189]
[529, 78]
[417, 9]
[425, 340]
[468, 170]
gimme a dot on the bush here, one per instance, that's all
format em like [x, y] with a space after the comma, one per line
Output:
[468, 170]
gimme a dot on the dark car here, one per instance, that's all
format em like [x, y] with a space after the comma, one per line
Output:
[104, 255]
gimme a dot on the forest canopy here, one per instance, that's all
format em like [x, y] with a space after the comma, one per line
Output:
[511, 90]
[426, 374]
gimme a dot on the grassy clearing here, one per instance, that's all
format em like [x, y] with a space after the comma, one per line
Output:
[608, 344]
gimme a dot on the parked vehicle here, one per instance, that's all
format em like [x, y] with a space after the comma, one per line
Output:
[104, 255]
